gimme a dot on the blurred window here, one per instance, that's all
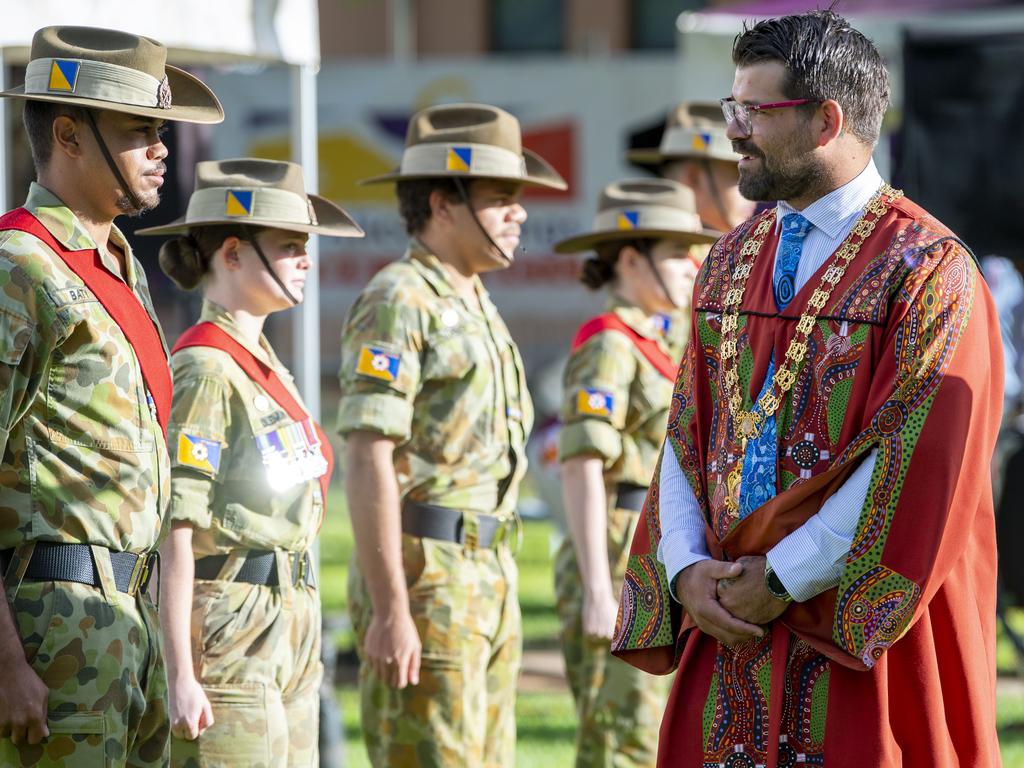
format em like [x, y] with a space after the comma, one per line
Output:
[653, 22]
[527, 25]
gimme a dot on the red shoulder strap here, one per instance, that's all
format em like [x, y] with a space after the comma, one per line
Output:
[649, 348]
[209, 335]
[120, 302]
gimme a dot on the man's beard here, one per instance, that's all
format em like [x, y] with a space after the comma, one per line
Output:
[148, 201]
[797, 173]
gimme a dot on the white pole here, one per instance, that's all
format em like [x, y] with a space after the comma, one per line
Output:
[306, 317]
[4, 137]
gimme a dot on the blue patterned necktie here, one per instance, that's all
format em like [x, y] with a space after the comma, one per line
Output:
[761, 458]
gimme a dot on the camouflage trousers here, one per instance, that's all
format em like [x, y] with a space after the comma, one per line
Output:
[99, 652]
[618, 706]
[466, 608]
[256, 650]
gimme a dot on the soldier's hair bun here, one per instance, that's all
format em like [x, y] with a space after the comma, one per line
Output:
[597, 272]
[182, 261]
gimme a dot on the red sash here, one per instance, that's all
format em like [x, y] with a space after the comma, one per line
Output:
[209, 335]
[120, 302]
[649, 348]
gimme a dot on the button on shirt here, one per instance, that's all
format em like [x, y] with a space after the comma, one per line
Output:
[810, 559]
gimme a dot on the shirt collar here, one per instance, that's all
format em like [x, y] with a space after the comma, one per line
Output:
[62, 223]
[635, 318]
[828, 213]
[213, 312]
[433, 271]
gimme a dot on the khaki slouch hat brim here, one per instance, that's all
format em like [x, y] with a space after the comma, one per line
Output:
[116, 71]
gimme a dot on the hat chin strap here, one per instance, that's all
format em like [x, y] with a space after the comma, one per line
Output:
[472, 212]
[250, 235]
[128, 192]
[646, 251]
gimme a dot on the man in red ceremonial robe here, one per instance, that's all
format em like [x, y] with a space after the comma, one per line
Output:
[817, 554]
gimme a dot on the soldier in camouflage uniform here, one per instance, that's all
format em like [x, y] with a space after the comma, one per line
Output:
[241, 612]
[436, 414]
[86, 390]
[617, 390]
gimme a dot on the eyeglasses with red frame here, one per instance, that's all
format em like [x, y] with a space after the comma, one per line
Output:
[741, 113]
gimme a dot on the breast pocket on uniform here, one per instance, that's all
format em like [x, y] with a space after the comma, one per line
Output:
[95, 394]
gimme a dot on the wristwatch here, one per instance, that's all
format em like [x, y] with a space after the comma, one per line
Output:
[774, 584]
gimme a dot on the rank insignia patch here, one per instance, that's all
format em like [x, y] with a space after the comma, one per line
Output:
[64, 75]
[375, 362]
[199, 453]
[594, 402]
[238, 202]
[459, 159]
[629, 219]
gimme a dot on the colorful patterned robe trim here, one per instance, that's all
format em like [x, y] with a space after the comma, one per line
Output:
[904, 359]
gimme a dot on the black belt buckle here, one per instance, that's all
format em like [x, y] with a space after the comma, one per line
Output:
[302, 569]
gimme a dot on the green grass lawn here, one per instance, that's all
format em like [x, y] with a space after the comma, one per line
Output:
[546, 721]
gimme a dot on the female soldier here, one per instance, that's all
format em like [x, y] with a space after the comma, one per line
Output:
[617, 390]
[241, 612]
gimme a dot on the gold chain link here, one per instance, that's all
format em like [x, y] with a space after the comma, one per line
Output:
[748, 424]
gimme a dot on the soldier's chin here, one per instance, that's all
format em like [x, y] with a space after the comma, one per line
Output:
[148, 201]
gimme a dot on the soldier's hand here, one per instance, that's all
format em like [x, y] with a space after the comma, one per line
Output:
[393, 647]
[191, 713]
[23, 705]
[697, 590]
[599, 611]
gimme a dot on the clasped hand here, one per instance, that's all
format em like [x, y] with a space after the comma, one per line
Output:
[728, 601]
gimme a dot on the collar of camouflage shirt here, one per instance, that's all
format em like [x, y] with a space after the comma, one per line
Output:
[68, 230]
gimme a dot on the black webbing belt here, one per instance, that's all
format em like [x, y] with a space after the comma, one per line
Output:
[630, 496]
[260, 567]
[445, 524]
[73, 562]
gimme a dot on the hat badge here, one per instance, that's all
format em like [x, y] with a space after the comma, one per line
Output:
[238, 202]
[64, 75]
[163, 94]
[459, 159]
[628, 220]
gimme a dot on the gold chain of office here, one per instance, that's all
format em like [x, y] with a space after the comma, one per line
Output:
[748, 424]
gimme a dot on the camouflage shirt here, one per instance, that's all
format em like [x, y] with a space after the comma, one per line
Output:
[84, 459]
[221, 422]
[446, 381]
[615, 402]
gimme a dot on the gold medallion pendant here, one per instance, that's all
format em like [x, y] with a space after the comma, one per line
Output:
[747, 425]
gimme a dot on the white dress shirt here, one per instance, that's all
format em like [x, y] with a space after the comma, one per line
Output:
[810, 559]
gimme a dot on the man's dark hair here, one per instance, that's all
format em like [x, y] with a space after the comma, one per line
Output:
[414, 199]
[38, 117]
[825, 58]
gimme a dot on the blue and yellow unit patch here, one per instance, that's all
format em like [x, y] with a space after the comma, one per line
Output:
[591, 401]
[238, 202]
[459, 159]
[702, 141]
[629, 220]
[378, 363]
[64, 75]
[199, 453]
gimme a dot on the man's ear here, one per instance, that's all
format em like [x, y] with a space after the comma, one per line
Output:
[440, 206]
[66, 133]
[830, 122]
